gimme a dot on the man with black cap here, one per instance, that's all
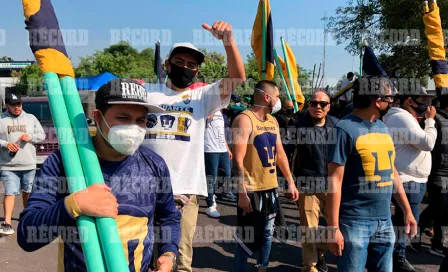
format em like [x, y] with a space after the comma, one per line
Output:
[18, 133]
[177, 135]
[137, 190]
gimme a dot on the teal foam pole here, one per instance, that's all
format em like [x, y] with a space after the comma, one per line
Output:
[280, 72]
[291, 80]
[107, 227]
[75, 177]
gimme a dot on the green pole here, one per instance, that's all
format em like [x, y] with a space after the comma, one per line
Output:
[73, 171]
[107, 227]
[263, 38]
[279, 69]
[291, 80]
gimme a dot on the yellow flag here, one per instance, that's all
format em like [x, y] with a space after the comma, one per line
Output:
[257, 40]
[294, 74]
[436, 48]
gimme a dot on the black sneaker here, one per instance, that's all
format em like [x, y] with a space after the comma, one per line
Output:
[415, 247]
[321, 265]
[228, 196]
[6, 229]
[404, 266]
[437, 251]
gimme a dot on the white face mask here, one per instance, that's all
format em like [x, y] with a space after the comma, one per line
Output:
[277, 107]
[125, 139]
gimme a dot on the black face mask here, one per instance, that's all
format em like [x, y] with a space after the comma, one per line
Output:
[181, 77]
[290, 112]
[421, 107]
[383, 112]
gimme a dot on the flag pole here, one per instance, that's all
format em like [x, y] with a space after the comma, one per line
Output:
[263, 38]
[279, 69]
[291, 80]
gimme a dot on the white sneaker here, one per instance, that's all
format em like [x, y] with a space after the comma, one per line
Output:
[212, 212]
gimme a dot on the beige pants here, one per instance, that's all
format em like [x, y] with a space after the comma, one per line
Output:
[188, 227]
[310, 207]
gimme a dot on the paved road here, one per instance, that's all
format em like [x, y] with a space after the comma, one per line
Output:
[211, 253]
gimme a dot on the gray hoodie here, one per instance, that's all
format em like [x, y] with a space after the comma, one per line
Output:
[11, 129]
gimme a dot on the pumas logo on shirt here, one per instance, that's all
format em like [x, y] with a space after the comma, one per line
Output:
[186, 99]
[152, 121]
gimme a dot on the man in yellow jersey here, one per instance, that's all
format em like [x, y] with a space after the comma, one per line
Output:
[257, 151]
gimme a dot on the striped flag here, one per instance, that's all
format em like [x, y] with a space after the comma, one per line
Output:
[294, 74]
[437, 54]
[257, 40]
[45, 37]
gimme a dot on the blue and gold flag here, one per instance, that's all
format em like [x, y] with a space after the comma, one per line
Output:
[45, 37]
[437, 54]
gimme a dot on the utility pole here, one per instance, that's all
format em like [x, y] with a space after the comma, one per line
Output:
[325, 39]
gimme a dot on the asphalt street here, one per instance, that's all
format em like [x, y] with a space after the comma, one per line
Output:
[213, 250]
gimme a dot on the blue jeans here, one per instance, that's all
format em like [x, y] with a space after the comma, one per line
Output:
[415, 193]
[216, 164]
[367, 244]
[241, 256]
[14, 181]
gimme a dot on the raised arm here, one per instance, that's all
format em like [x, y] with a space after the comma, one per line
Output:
[236, 74]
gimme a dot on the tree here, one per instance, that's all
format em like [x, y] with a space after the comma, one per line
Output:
[121, 60]
[356, 22]
[213, 68]
[393, 27]
[30, 80]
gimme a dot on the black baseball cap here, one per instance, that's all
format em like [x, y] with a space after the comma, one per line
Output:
[12, 98]
[120, 91]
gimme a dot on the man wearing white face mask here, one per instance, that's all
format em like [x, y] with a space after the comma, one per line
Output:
[257, 150]
[137, 190]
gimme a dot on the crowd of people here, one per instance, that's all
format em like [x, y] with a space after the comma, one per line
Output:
[160, 150]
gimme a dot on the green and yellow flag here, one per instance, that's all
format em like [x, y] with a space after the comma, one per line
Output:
[294, 74]
[263, 29]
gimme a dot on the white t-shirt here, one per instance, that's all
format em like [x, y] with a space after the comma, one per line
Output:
[177, 135]
[347, 95]
[215, 134]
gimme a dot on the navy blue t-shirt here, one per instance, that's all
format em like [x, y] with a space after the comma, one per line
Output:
[141, 183]
[367, 151]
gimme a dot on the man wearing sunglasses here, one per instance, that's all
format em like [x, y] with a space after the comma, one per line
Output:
[362, 181]
[413, 146]
[18, 133]
[314, 129]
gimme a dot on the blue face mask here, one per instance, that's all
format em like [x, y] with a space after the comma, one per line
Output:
[397, 75]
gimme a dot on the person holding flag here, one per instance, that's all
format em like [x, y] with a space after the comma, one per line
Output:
[132, 189]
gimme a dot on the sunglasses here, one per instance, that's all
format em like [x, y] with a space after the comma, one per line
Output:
[322, 104]
[387, 98]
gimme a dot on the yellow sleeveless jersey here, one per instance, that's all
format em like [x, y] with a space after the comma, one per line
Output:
[261, 155]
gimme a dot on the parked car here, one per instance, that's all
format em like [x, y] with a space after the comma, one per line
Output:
[40, 107]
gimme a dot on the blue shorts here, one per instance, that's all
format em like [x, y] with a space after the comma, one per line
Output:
[15, 180]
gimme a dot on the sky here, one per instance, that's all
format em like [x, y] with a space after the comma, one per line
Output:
[94, 25]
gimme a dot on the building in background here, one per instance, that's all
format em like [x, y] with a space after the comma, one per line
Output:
[6, 74]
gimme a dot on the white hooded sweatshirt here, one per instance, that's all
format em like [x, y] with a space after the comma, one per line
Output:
[413, 145]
